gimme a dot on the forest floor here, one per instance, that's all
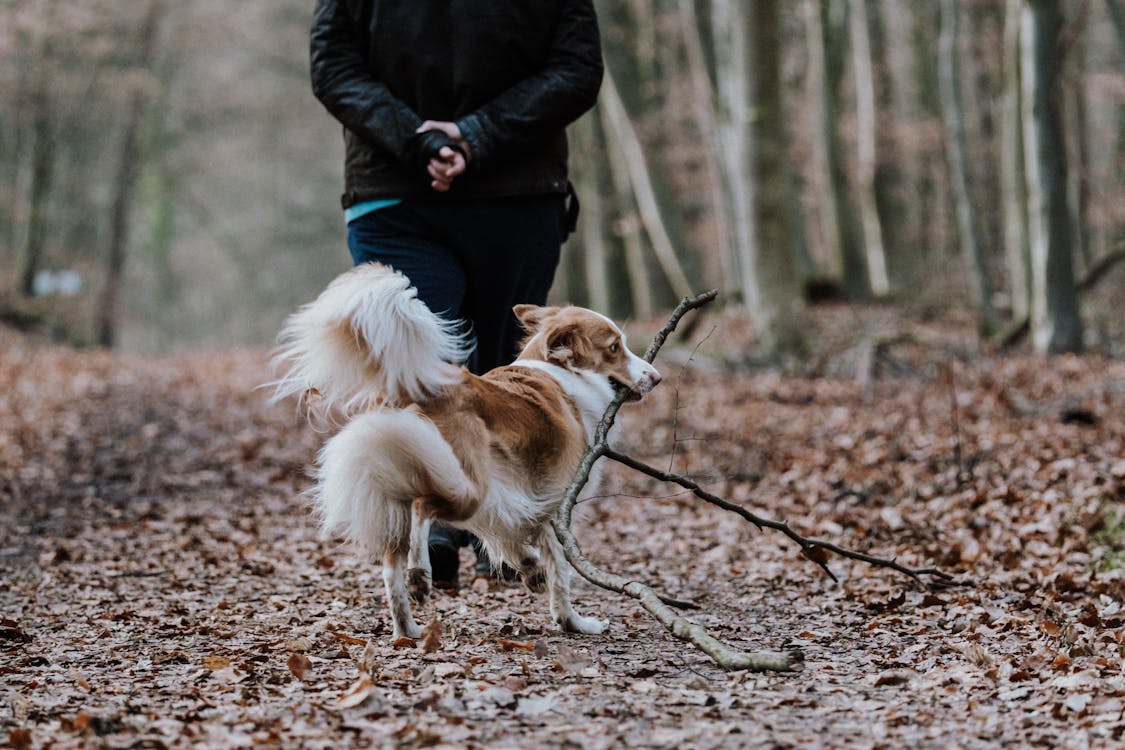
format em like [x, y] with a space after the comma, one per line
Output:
[163, 585]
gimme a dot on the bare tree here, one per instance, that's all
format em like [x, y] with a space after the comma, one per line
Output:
[826, 66]
[623, 137]
[1117, 16]
[770, 283]
[1013, 183]
[41, 130]
[1055, 322]
[128, 168]
[866, 125]
[968, 225]
[591, 227]
[705, 109]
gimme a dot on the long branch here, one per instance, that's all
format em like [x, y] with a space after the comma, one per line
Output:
[679, 626]
[814, 549]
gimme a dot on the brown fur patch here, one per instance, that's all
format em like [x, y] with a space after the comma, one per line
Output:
[512, 416]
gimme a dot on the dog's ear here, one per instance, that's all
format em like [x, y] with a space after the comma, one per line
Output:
[560, 345]
[567, 347]
[530, 316]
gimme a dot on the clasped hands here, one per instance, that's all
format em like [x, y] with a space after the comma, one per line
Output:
[449, 162]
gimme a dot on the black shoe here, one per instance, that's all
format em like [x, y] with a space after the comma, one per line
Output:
[444, 561]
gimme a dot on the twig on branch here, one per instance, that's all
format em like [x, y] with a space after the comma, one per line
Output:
[816, 550]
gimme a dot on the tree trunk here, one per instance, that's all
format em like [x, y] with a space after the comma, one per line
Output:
[1055, 322]
[703, 102]
[1013, 184]
[627, 225]
[621, 132]
[42, 164]
[42, 172]
[1117, 16]
[591, 226]
[968, 225]
[731, 70]
[108, 322]
[773, 281]
[866, 160]
[1078, 157]
[891, 188]
[930, 206]
[826, 63]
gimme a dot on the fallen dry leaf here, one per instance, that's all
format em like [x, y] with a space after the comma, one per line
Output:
[19, 738]
[362, 694]
[215, 663]
[349, 639]
[300, 665]
[431, 636]
[507, 645]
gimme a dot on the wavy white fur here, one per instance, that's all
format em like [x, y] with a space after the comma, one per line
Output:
[368, 475]
[368, 339]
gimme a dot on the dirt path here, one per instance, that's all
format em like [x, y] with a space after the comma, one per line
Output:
[161, 584]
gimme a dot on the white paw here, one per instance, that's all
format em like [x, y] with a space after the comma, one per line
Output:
[407, 630]
[587, 625]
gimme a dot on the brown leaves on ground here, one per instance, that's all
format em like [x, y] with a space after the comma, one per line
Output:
[300, 665]
[162, 584]
[431, 636]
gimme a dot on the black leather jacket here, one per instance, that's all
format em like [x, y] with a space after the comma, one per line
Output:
[511, 73]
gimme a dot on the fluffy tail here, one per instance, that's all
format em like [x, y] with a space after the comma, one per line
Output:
[367, 339]
[372, 470]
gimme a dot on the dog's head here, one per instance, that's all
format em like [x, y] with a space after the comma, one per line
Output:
[584, 341]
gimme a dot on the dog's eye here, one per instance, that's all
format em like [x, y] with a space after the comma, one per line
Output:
[615, 347]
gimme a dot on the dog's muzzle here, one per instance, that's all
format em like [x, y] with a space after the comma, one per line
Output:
[645, 378]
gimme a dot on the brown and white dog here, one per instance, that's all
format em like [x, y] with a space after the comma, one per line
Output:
[427, 440]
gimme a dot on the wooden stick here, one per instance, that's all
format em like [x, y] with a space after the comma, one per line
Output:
[815, 549]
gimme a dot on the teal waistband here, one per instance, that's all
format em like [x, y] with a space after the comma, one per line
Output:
[351, 213]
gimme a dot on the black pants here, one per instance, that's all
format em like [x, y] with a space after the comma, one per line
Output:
[471, 260]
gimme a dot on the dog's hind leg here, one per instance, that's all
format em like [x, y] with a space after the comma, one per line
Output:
[398, 600]
[419, 573]
[557, 570]
[531, 571]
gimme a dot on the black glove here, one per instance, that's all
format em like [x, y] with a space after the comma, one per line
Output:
[425, 146]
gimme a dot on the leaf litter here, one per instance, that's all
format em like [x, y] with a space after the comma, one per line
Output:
[162, 583]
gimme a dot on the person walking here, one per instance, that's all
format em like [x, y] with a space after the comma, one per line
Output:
[455, 174]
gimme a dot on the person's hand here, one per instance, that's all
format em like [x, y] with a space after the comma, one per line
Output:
[449, 162]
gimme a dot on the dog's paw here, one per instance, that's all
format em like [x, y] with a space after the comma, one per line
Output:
[407, 630]
[585, 625]
[418, 583]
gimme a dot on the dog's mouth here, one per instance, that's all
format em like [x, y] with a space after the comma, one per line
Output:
[634, 393]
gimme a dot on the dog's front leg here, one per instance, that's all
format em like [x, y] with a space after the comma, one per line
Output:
[558, 585]
[419, 574]
[398, 600]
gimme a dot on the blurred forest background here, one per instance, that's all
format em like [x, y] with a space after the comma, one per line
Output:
[168, 181]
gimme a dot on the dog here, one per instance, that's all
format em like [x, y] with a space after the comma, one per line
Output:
[425, 440]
